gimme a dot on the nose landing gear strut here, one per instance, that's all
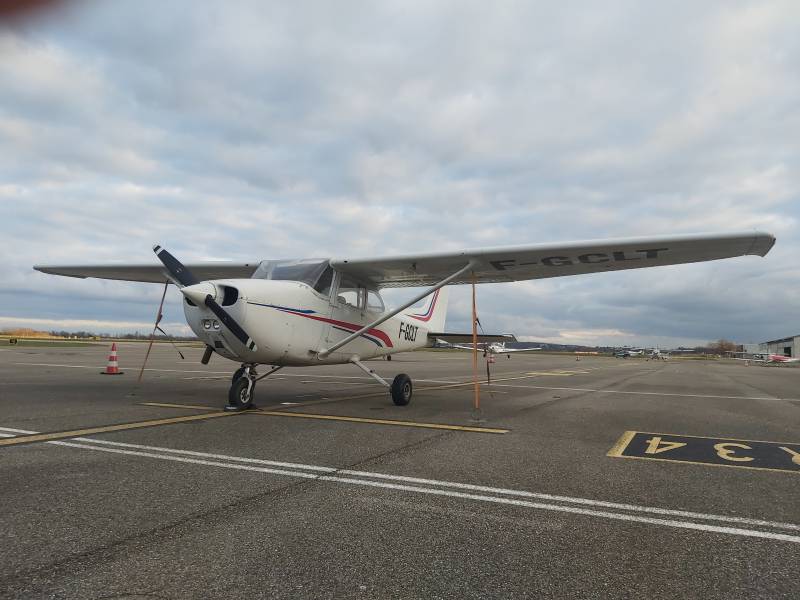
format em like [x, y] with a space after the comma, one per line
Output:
[243, 386]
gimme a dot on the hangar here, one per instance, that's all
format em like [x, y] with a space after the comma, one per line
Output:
[789, 346]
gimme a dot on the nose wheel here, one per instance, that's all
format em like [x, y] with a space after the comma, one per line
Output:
[243, 388]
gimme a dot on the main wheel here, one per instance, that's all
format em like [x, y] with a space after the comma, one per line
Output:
[402, 390]
[236, 374]
[238, 395]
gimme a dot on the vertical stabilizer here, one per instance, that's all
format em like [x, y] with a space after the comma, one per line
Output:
[433, 314]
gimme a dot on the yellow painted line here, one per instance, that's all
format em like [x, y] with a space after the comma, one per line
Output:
[166, 405]
[707, 437]
[622, 443]
[275, 413]
[60, 435]
[556, 373]
[483, 382]
[431, 388]
[272, 413]
[707, 464]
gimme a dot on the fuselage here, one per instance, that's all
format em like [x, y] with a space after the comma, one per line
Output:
[291, 323]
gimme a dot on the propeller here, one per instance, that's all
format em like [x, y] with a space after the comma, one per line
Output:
[202, 292]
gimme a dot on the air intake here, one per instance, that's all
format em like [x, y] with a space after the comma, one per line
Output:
[229, 296]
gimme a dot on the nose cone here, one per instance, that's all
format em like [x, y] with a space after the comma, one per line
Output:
[197, 293]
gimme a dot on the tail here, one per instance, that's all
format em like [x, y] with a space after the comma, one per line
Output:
[432, 316]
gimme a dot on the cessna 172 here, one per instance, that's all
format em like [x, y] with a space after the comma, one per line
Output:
[293, 313]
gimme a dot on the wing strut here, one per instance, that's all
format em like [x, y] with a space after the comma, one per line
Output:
[390, 314]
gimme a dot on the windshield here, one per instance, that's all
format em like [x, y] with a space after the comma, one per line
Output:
[306, 270]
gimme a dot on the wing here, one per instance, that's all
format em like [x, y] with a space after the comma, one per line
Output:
[510, 350]
[154, 273]
[466, 338]
[462, 347]
[538, 261]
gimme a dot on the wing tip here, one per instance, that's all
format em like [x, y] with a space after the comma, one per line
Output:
[56, 270]
[763, 242]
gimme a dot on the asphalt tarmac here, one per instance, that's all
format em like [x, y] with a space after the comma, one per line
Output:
[328, 490]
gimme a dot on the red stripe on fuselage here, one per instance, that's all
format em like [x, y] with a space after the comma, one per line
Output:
[351, 326]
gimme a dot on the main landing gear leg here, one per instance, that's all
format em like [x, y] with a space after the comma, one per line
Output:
[401, 388]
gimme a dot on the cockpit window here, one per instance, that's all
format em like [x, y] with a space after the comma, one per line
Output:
[311, 271]
[323, 285]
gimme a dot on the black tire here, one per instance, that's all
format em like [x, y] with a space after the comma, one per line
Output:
[402, 390]
[236, 374]
[237, 396]
[388, 357]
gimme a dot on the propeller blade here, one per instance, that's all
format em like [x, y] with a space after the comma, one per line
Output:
[230, 323]
[181, 274]
[186, 279]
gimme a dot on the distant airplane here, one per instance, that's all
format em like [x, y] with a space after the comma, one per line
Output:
[780, 358]
[310, 312]
[493, 348]
[628, 352]
[768, 359]
[773, 359]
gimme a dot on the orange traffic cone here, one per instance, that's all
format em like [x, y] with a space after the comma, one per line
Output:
[113, 366]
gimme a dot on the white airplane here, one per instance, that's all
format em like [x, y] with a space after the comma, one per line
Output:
[657, 354]
[296, 313]
[493, 348]
[628, 352]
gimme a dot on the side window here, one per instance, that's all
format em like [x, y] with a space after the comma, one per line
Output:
[374, 301]
[351, 293]
[348, 296]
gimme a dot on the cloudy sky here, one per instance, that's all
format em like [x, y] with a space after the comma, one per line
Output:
[249, 130]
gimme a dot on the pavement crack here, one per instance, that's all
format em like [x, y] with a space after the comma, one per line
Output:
[107, 553]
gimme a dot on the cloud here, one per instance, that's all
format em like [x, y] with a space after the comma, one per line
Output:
[260, 130]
